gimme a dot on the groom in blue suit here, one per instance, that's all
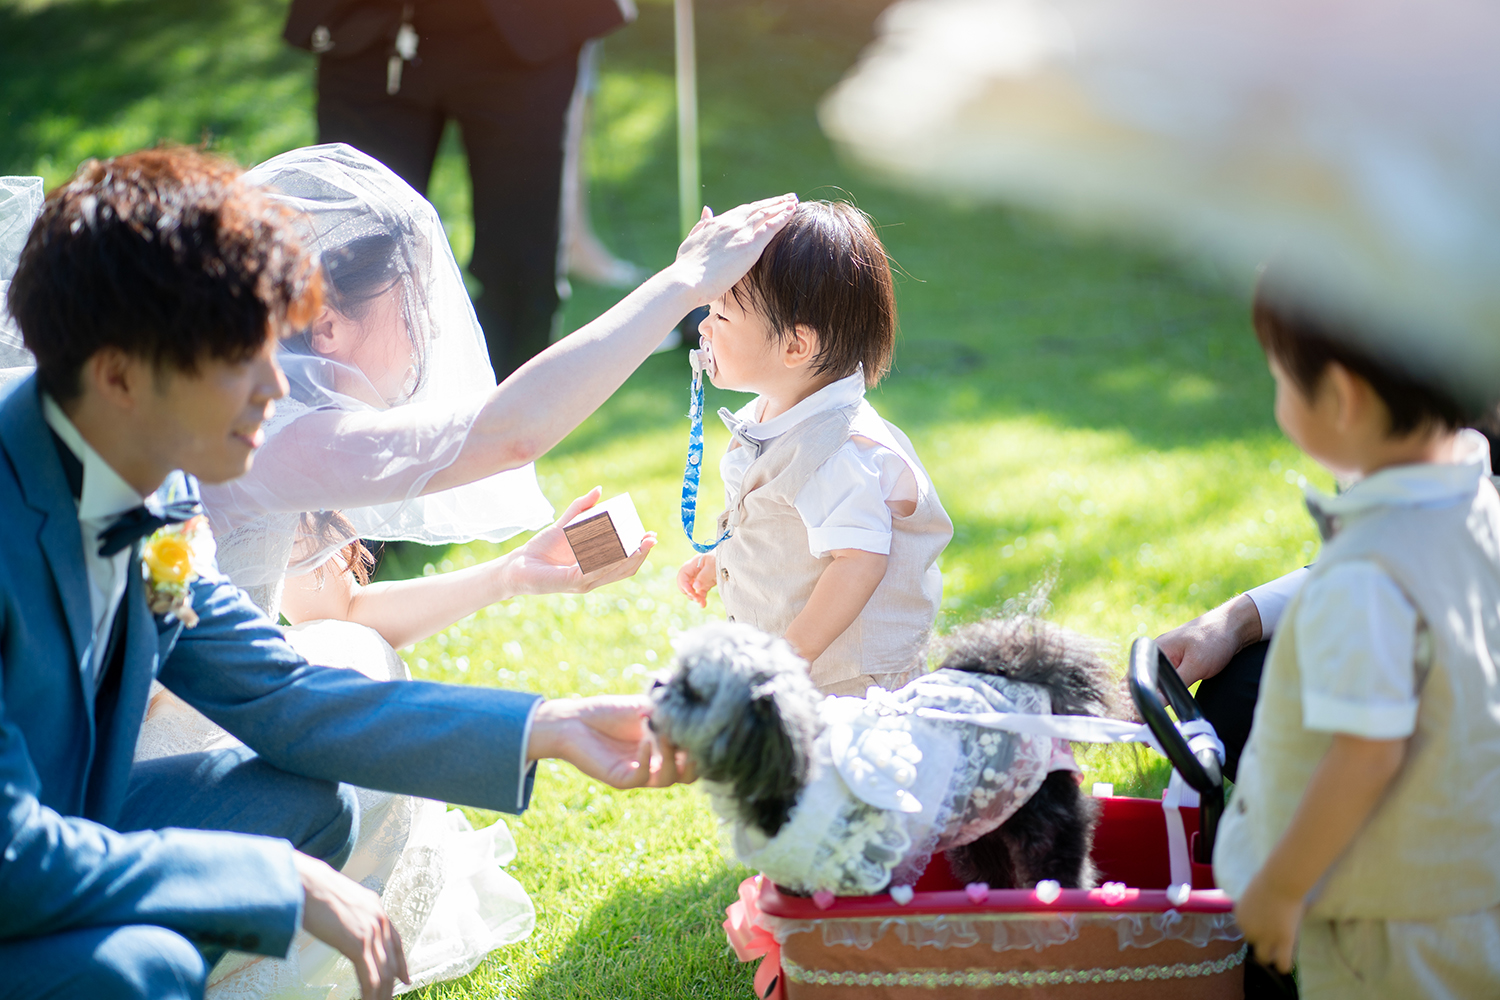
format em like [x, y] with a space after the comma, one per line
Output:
[152, 292]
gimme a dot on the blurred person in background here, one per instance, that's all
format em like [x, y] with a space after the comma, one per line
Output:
[391, 73]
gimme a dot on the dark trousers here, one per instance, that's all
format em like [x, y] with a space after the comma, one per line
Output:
[216, 790]
[512, 115]
[1227, 699]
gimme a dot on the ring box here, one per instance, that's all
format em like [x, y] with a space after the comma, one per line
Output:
[605, 534]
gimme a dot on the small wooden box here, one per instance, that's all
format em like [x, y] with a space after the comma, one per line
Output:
[605, 534]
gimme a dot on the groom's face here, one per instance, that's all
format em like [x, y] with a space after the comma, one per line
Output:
[208, 422]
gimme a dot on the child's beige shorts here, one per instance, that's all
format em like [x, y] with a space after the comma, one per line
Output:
[1457, 957]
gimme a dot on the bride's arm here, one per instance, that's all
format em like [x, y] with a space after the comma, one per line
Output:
[408, 611]
[536, 407]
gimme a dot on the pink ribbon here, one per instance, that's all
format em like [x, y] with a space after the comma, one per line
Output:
[751, 941]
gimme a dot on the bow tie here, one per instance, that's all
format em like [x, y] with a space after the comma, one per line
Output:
[138, 522]
[738, 431]
[1328, 524]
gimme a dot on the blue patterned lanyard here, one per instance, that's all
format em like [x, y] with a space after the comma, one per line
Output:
[694, 469]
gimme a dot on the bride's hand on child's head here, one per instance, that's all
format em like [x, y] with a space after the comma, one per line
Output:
[697, 576]
[720, 249]
[546, 564]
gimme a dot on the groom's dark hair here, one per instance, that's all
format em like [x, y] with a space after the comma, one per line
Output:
[165, 254]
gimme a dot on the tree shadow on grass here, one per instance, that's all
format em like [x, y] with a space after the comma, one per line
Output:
[101, 77]
[652, 942]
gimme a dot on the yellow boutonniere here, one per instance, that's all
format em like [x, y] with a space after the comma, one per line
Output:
[171, 559]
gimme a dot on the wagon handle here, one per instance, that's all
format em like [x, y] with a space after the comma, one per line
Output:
[1151, 677]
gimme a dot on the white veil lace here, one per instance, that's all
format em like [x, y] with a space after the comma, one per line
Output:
[336, 443]
[20, 203]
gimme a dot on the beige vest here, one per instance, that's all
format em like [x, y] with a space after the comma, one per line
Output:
[1432, 846]
[767, 574]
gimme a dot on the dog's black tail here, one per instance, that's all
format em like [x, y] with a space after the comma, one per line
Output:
[1035, 651]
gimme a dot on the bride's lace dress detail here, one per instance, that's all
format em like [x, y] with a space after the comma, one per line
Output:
[441, 881]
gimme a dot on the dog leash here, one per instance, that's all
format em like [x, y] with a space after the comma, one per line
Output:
[694, 469]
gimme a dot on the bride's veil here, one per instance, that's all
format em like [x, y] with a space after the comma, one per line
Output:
[337, 443]
[20, 203]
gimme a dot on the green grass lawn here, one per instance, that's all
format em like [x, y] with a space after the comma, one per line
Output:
[1090, 411]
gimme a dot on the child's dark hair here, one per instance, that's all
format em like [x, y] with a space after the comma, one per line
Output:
[827, 270]
[164, 254]
[1304, 341]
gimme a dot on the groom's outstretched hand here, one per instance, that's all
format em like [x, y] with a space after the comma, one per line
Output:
[607, 738]
[345, 915]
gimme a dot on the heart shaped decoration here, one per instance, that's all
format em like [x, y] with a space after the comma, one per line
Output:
[822, 899]
[1178, 894]
[977, 892]
[901, 894]
[1113, 893]
[1048, 890]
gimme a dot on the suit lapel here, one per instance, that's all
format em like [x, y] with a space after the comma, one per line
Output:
[122, 696]
[25, 436]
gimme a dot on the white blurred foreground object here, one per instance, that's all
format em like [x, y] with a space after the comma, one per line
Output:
[605, 534]
[1355, 141]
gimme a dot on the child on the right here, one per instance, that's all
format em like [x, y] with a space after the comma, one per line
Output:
[1363, 837]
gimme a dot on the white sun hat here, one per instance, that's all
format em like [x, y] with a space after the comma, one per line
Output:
[1355, 141]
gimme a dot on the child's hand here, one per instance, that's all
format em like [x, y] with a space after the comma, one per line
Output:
[697, 577]
[1269, 920]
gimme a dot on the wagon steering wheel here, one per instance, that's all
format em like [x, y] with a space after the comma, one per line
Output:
[1151, 678]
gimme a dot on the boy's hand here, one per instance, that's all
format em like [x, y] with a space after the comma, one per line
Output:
[698, 576]
[1270, 921]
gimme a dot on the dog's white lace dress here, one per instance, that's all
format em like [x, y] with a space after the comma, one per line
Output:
[889, 785]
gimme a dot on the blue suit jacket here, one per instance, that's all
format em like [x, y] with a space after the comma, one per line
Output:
[65, 760]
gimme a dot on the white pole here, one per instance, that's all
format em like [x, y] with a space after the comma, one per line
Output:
[689, 188]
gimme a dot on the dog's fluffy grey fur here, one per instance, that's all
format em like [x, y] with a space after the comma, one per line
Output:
[740, 703]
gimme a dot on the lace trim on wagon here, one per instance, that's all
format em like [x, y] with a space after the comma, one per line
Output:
[988, 978]
[1011, 931]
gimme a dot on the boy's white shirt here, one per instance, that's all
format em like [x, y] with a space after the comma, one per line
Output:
[106, 495]
[844, 504]
[1356, 631]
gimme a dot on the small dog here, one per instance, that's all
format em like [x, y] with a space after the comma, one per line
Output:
[854, 795]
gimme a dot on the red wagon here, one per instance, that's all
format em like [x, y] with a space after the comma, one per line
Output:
[1143, 933]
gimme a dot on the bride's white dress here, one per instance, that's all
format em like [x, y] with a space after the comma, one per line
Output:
[441, 881]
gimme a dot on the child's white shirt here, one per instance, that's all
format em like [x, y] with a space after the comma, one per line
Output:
[845, 505]
[1356, 631]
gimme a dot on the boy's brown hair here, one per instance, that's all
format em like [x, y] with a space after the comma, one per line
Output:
[165, 254]
[1304, 341]
[828, 271]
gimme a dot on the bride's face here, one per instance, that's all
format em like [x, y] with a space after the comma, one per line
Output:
[378, 343]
